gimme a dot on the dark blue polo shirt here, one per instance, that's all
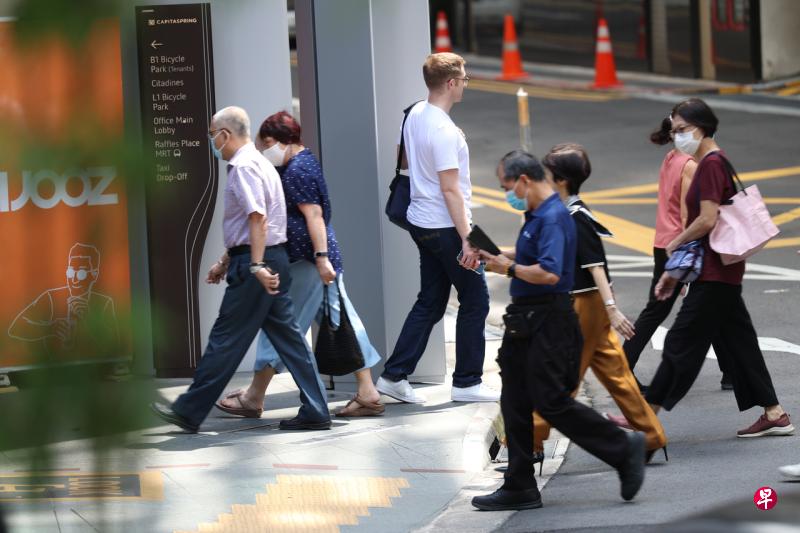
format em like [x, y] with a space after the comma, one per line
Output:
[549, 239]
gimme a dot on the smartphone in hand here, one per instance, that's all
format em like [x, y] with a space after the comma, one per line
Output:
[478, 270]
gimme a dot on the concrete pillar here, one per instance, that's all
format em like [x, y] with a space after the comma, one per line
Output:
[780, 40]
[359, 66]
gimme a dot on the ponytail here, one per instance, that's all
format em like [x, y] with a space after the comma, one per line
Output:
[663, 135]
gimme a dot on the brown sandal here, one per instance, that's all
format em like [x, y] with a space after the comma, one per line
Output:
[359, 407]
[247, 412]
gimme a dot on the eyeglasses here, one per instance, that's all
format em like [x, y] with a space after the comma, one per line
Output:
[465, 79]
[682, 129]
[81, 273]
[213, 133]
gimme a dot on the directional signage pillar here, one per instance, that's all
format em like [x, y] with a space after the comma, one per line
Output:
[177, 102]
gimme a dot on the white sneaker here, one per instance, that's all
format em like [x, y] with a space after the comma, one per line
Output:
[399, 390]
[790, 471]
[475, 393]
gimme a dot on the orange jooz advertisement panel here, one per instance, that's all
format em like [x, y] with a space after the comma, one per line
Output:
[64, 260]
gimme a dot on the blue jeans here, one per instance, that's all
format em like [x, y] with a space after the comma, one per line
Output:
[439, 270]
[306, 293]
[246, 308]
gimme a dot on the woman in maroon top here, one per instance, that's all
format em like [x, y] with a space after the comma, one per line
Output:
[714, 308]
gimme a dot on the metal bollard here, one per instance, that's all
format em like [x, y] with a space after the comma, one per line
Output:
[524, 120]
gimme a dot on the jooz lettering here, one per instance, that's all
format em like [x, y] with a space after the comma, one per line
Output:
[95, 181]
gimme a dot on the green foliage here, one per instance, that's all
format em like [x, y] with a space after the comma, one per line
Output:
[69, 18]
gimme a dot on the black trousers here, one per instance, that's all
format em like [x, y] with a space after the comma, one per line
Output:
[539, 373]
[654, 313]
[712, 311]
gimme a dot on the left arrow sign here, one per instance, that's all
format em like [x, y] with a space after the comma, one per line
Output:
[155, 44]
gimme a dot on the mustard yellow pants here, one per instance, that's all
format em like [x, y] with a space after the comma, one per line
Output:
[603, 353]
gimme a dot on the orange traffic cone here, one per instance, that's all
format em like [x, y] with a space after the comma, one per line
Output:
[442, 34]
[512, 61]
[605, 73]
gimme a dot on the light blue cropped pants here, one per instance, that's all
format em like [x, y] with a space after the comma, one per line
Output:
[306, 294]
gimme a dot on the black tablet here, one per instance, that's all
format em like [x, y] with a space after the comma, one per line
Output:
[479, 239]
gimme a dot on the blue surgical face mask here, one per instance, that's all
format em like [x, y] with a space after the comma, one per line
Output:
[520, 204]
[216, 151]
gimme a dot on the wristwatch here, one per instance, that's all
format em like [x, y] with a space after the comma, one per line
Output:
[512, 270]
[255, 267]
[320, 254]
[610, 302]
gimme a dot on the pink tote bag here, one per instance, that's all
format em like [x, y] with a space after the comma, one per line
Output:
[743, 227]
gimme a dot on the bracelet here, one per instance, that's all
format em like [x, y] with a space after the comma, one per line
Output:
[320, 254]
[610, 302]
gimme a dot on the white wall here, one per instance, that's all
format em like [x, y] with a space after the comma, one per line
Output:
[780, 38]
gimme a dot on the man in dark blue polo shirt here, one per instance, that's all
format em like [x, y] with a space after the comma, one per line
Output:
[540, 355]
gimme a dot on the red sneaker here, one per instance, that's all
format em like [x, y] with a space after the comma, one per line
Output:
[619, 421]
[763, 427]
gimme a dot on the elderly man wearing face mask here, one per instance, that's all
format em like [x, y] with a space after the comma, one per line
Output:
[316, 267]
[540, 355]
[256, 268]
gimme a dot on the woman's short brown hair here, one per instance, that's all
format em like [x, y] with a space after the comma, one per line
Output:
[282, 127]
[438, 68]
[569, 162]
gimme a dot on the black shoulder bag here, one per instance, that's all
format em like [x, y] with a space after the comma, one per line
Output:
[400, 189]
[337, 350]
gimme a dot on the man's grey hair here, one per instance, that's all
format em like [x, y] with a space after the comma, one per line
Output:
[234, 119]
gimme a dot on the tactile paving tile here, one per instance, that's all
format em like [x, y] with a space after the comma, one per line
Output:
[300, 504]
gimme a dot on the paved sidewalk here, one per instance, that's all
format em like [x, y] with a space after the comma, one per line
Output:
[390, 473]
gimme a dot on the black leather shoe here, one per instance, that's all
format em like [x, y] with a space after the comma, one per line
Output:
[299, 423]
[508, 500]
[631, 473]
[168, 415]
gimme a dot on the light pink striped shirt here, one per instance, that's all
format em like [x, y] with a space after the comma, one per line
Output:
[253, 186]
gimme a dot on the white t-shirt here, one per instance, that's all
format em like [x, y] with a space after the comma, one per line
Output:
[433, 143]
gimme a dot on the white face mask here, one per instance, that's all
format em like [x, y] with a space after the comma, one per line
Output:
[686, 143]
[275, 154]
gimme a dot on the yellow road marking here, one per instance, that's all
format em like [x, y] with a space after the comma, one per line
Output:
[654, 201]
[789, 91]
[788, 216]
[624, 201]
[488, 192]
[502, 206]
[628, 234]
[784, 243]
[638, 237]
[535, 91]
[309, 503]
[781, 201]
[633, 190]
